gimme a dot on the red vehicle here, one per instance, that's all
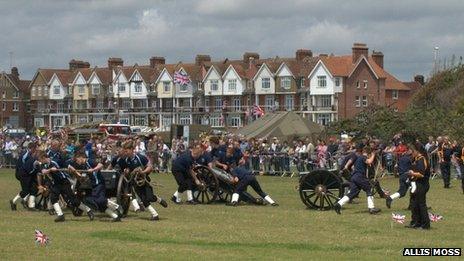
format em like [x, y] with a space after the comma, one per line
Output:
[115, 131]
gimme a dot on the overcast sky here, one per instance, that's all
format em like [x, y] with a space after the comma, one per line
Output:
[47, 34]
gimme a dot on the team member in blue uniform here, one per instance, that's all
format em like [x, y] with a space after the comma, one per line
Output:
[404, 166]
[128, 163]
[182, 171]
[26, 173]
[420, 172]
[244, 178]
[218, 151]
[359, 180]
[59, 185]
[98, 197]
[55, 153]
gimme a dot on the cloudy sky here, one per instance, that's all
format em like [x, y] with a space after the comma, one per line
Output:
[47, 34]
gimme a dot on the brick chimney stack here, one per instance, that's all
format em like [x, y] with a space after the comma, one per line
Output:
[156, 60]
[200, 59]
[303, 53]
[378, 58]
[359, 49]
[248, 55]
[77, 64]
[14, 72]
[115, 62]
[420, 79]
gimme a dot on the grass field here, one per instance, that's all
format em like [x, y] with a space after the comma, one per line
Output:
[219, 232]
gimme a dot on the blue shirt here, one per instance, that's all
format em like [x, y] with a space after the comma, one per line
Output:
[241, 172]
[183, 163]
[96, 177]
[360, 166]
[404, 164]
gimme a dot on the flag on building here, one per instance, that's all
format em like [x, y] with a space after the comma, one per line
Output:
[435, 218]
[181, 78]
[257, 111]
[398, 218]
[40, 238]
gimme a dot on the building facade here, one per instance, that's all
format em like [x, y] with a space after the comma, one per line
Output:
[323, 88]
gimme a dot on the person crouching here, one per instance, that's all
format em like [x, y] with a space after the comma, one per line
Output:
[244, 178]
[98, 196]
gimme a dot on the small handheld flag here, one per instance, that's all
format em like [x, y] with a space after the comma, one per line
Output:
[398, 218]
[40, 238]
[434, 217]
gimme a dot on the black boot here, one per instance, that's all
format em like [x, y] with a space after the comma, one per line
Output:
[388, 202]
[338, 208]
[163, 203]
[12, 205]
[374, 211]
[59, 218]
[90, 215]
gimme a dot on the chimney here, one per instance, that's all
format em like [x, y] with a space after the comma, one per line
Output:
[156, 60]
[77, 64]
[359, 49]
[420, 79]
[302, 53]
[115, 62]
[200, 59]
[378, 58]
[14, 71]
[247, 56]
[323, 55]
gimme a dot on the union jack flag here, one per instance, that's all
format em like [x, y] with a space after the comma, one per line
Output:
[40, 238]
[181, 78]
[257, 111]
[398, 218]
[435, 218]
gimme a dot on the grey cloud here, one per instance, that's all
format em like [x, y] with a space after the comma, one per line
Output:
[50, 33]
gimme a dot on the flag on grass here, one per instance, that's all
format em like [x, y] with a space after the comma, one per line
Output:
[435, 218]
[40, 238]
[398, 218]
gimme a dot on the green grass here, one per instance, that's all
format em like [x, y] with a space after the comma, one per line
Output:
[219, 232]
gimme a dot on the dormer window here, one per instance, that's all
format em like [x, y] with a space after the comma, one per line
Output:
[266, 83]
[285, 82]
[166, 86]
[56, 90]
[232, 85]
[321, 81]
[183, 87]
[121, 87]
[80, 89]
[214, 85]
[138, 87]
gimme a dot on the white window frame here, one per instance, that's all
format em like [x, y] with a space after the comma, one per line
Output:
[137, 87]
[325, 101]
[302, 84]
[121, 87]
[214, 84]
[166, 86]
[232, 85]
[94, 88]
[286, 82]
[183, 87]
[337, 81]
[56, 90]
[395, 94]
[321, 81]
[235, 121]
[365, 84]
[81, 89]
[217, 103]
[15, 106]
[236, 103]
[289, 102]
[269, 102]
[357, 101]
[358, 85]
[364, 101]
[266, 83]
[16, 94]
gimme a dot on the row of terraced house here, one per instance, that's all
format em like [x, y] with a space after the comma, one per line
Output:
[323, 88]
